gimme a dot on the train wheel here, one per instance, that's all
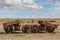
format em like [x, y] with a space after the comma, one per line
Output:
[6, 30]
[40, 30]
[25, 29]
[10, 29]
[50, 30]
[34, 29]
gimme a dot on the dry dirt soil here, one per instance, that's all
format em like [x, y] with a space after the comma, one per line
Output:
[37, 36]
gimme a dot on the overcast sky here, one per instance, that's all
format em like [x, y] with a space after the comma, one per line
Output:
[29, 8]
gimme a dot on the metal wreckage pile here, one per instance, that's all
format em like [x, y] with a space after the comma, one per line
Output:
[42, 26]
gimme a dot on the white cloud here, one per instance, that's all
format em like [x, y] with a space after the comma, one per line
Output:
[54, 14]
[49, 0]
[21, 4]
[34, 16]
[56, 6]
[41, 7]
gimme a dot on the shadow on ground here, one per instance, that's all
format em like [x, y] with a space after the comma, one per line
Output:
[27, 33]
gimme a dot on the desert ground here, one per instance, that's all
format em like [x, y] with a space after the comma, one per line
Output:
[31, 36]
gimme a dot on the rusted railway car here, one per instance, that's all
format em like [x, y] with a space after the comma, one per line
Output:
[42, 26]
